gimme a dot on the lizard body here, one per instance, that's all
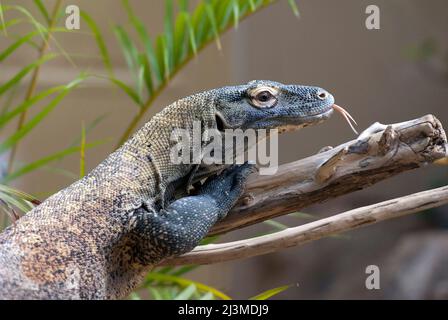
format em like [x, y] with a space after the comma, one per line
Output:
[96, 238]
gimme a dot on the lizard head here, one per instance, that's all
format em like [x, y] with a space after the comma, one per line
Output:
[264, 104]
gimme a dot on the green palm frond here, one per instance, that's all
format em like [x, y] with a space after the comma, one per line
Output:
[153, 62]
[269, 293]
[43, 162]
[18, 135]
[152, 279]
[9, 88]
[170, 287]
[2, 20]
[39, 27]
[99, 41]
[24, 71]
[12, 200]
[43, 10]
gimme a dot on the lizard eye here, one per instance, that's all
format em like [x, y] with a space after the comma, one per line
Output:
[322, 95]
[263, 99]
[264, 96]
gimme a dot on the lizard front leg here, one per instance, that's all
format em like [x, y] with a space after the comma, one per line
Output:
[185, 222]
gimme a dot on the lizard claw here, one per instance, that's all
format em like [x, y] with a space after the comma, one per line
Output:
[230, 182]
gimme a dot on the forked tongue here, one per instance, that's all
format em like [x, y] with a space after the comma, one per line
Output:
[346, 116]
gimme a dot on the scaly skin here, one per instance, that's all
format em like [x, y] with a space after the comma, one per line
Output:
[96, 238]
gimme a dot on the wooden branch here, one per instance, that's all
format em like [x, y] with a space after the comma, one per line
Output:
[442, 162]
[379, 153]
[214, 253]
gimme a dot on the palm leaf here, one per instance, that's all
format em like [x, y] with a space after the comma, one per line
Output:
[302, 215]
[269, 293]
[192, 37]
[26, 128]
[155, 293]
[207, 296]
[37, 25]
[18, 194]
[236, 13]
[146, 73]
[128, 90]
[184, 283]
[180, 38]
[244, 8]
[200, 22]
[162, 56]
[63, 172]
[225, 10]
[11, 198]
[187, 293]
[28, 39]
[22, 73]
[8, 101]
[276, 225]
[4, 26]
[183, 5]
[99, 41]
[15, 45]
[2, 20]
[213, 23]
[131, 55]
[168, 33]
[184, 269]
[134, 296]
[146, 40]
[43, 10]
[25, 105]
[295, 9]
[252, 5]
[130, 52]
[46, 160]
[92, 125]
[9, 210]
[13, 202]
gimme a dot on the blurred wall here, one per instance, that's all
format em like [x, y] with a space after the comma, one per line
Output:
[329, 46]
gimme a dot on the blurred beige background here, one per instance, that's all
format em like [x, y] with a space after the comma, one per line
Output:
[329, 46]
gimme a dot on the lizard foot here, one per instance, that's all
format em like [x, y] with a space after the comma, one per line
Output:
[227, 187]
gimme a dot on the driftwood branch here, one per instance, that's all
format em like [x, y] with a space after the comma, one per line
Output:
[290, 237]
[379, 153]
[346, 168]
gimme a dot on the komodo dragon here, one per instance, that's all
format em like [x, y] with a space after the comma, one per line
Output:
[96, 238]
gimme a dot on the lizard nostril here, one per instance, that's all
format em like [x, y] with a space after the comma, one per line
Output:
[322, 95]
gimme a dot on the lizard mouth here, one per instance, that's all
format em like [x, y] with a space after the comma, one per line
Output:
[282, 123]
[318, 116]
[293, 124]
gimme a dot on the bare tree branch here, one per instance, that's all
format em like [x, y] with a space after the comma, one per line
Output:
[214, 253]
[379, 152]
[346, 168]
